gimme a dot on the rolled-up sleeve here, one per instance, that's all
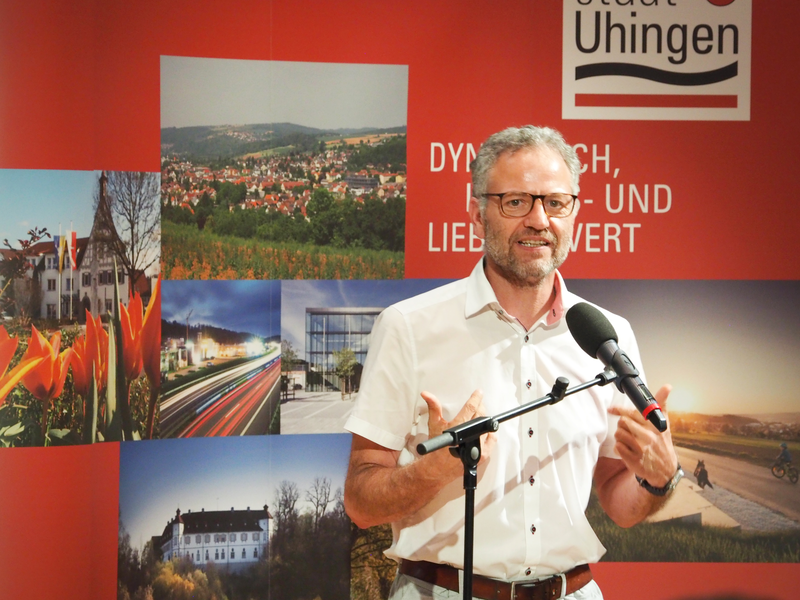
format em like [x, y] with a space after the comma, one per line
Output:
[386, 406]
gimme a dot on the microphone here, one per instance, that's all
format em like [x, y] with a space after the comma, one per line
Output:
[596, 336]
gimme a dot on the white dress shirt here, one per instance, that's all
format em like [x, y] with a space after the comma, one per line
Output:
[532, 492]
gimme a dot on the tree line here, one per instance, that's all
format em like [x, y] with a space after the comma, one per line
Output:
[344, 223]
[389, 155]
[176, 329]
[317, 538]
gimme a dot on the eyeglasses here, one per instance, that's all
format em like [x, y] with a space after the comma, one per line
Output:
[519, 204]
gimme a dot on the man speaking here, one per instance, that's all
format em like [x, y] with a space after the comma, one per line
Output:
[483, 345]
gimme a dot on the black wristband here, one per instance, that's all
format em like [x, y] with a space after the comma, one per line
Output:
[662, 491]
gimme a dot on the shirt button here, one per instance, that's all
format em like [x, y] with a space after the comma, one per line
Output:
[526, 338]
[531, 480]
[530, 432]
[528, 384]
[533, 528]
[527, 571]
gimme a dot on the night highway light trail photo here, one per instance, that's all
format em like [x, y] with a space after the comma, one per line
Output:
[238, 401]
[221, 341]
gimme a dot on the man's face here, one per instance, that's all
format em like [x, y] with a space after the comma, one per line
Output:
[524, 250]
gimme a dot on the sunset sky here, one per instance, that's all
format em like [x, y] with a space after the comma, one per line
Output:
[725, 346]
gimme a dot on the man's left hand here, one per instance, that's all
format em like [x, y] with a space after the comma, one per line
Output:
[645, 451]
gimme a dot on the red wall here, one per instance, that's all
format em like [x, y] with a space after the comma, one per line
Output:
[79, 89]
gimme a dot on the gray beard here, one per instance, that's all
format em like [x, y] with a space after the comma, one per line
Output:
[524, 274]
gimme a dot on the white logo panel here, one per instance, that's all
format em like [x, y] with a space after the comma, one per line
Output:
[657, 60]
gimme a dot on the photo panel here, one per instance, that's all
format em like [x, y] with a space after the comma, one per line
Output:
[325, 332]
[241, 516]
[283, 170]
[728, 349]
[221, 358]
[79, 271]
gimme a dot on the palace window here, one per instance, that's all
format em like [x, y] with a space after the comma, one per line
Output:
[255, 536]
[223, 554]
[86, 279]
[208, 538]
[255, 552]
[51, 285]
[109, 305]
[188, 539]
[51, 311]
[244, 537]
[197, 540]
[243, 554]
[216, 554]
[206, 554]
[233, 537]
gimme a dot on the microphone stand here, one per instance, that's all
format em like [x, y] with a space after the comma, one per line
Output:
[464, 443]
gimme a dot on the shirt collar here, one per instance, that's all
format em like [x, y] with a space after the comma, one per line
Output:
[480, 296]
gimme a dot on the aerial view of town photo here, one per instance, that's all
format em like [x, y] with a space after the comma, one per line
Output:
[293, 177]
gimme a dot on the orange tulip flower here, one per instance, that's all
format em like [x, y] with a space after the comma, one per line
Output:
[90, 350]
[151, 337]
[46, 380]
[8, 346]
[80, 364]
[151, 353]
[131, 320]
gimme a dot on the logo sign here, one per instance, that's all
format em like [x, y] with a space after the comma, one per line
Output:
[657, 60]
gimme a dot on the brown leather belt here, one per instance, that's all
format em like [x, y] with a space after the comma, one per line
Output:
[494, 589]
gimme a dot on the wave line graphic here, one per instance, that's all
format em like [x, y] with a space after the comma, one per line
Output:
[660, 75]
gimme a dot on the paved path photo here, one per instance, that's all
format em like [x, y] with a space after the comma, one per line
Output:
[749, 481]
[316, 412]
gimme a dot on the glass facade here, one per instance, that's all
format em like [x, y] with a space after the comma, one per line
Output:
[329, 330]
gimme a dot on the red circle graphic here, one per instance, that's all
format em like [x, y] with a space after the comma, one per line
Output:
[721, 2]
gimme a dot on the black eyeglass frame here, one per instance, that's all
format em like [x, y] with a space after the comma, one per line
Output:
[534, 198]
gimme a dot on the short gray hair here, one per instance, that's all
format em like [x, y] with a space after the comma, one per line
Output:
[513, 139]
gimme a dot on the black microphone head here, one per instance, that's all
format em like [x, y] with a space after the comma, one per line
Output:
[589, 327]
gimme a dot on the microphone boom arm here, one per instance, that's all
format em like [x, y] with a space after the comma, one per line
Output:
[464, 442]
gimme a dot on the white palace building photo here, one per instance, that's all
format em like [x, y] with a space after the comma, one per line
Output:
[232, 540]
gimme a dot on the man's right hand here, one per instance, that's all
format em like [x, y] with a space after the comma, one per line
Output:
[378, 491]
[451, 466]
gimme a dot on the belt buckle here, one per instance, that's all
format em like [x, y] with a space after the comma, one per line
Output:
[547, 584]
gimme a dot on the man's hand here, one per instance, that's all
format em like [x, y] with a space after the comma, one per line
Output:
[378, 491]
[644, 450]
[451, 467]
